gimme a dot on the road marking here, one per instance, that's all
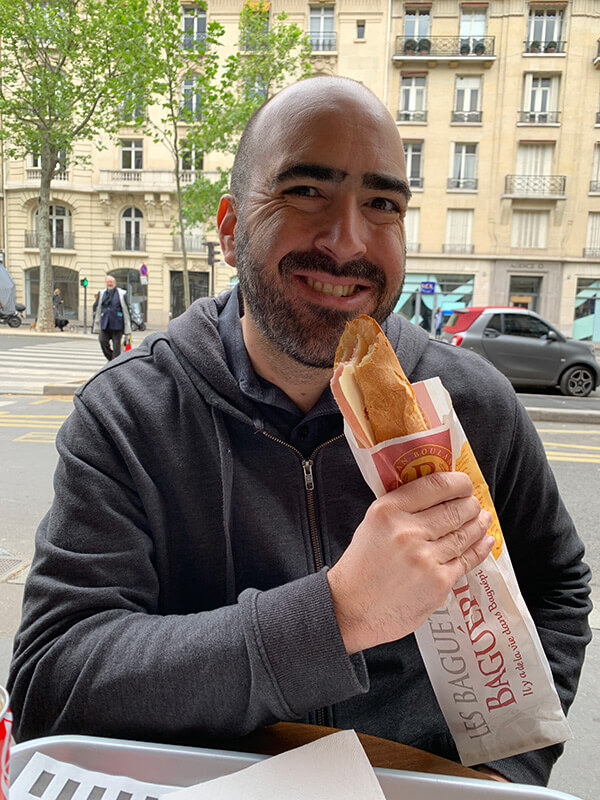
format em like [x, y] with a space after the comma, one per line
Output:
[575, 446]
[38, 437]
[570, 433]
[7, 402]
[575, 459]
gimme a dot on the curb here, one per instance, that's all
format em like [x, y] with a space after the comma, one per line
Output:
[563, 415]
[61, 388]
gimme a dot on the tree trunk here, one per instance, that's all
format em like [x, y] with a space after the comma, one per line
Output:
[187, 298]
[45, 317]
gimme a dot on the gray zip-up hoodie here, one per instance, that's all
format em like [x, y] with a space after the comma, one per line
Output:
[177, 589]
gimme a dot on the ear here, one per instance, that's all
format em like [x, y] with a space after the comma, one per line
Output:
[226, 222]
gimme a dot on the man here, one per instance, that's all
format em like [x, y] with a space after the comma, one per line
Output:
[111, 318]
[213, 561]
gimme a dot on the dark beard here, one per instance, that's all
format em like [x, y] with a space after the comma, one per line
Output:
[309, 334]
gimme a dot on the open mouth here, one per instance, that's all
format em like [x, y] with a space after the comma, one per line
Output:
[334, 289]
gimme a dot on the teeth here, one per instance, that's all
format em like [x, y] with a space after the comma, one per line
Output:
[337, 290]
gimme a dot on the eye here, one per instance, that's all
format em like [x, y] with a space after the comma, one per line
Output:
[385, 204]
[302, 191]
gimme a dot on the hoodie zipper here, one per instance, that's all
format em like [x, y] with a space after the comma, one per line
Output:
[309, 486]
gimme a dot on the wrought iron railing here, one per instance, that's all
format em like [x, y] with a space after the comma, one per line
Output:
[123, 242]
[445, 46]
[466, 116]
[323, 42]
[193, 41]
[411, 116]
[413, 247]
[539, 117]
[59, 240]
[538, 185]
[535, 46]
[415, 182]
[462, 183]
[457, 248]
[594, 186]
[193, 244]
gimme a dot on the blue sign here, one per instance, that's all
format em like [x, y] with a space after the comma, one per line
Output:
[428, 287]
[143, 269]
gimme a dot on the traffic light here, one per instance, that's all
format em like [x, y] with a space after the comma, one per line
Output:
[213, 252]
[83, 282]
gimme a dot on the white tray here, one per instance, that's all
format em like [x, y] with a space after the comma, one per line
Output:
[185, 766]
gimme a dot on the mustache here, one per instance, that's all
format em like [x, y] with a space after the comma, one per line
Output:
[360, 268]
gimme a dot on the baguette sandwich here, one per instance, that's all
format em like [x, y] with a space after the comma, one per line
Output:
[370, 386]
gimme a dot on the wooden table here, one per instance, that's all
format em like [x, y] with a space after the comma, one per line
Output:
[381, 752]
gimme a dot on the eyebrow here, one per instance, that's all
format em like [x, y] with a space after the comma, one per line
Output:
[319, 172]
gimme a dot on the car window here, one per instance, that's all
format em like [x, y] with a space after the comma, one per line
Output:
[495, 323]
[523, 325]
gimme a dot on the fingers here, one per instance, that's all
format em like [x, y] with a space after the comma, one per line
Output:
[430, 491]
[460, 542]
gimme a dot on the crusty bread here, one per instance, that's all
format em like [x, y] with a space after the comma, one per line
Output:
[389, 400]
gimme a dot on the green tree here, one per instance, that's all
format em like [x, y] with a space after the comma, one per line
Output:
[186, 93]
[69, 70]
[270, 55]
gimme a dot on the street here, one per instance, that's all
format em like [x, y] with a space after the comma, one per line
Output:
[28, 426]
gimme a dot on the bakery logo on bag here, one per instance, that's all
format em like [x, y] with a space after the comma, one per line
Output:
[424, 459]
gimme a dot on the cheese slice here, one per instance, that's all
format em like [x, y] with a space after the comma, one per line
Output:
[351, 401]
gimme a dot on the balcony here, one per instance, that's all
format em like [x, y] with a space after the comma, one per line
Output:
[35, 174]
[123, 243]
[413, 247]
[415, 182]
[445, 48]
[193, 244]
[460, 249]
[591, 252]
[323, 42]
[535, 185]
[143, 180]
[193, 41]
[534, 47]
[467, 117]
[59, 240]
[462, 183]
[538, 118]
[594, 187]
[411, 116]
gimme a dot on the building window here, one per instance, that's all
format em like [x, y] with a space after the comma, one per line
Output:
[36, 162]
[191, 161]
[540, 99]
[132, 154]
[411, 229]
[473, 24]
[592, 242]
[193, 22]
[595, 182]
[544, 29]
[131, 236]
[459, 231]
[133, 107]
[413, 152]
[586, 322]
[413, 97]
[467, 100]
[321, 23]
[529, 230]
[256, 38]
[191, 98]
[464, 166]
[416, 23]
[360, 28]
[60, 229]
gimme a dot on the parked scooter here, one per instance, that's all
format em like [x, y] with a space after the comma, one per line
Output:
[12, 318]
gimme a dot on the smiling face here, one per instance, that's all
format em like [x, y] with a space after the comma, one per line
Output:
[319, 234]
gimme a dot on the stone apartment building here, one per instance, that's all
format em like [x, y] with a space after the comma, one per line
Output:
[498, 104]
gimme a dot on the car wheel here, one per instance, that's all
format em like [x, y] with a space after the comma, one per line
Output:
[577, 382]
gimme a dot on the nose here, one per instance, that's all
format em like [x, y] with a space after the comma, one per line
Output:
[343, 233]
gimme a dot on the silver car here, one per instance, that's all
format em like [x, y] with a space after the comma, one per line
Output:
[526, 348]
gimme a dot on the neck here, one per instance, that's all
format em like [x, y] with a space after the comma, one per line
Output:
[303, 385]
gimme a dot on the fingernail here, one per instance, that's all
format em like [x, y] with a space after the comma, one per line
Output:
[487, 518]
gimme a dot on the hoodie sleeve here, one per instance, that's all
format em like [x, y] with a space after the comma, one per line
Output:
[101, 649]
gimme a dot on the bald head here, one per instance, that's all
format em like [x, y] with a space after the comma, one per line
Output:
[280, 118]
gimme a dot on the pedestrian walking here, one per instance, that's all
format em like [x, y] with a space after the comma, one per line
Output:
[439, 322]
[112, 318]
[58, 306]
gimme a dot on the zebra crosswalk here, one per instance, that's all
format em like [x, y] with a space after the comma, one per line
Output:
[28, 368]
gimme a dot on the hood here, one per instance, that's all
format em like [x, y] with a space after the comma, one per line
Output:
[195, 339]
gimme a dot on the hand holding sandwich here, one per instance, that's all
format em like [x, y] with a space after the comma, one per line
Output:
[411, 548]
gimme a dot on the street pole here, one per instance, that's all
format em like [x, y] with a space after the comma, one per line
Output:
[85, 309]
